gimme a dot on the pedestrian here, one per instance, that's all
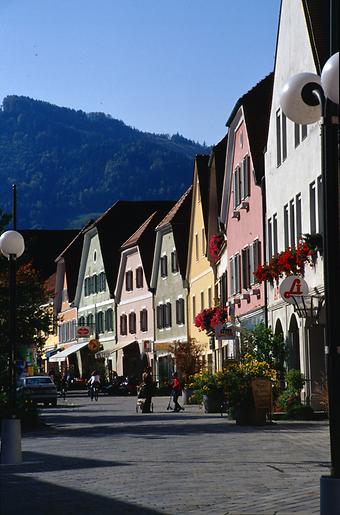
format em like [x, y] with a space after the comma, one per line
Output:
[176, 391]
[94, 384]
[147, 386]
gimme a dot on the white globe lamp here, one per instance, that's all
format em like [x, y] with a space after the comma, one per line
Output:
[12, 243]
[297, 101]
[330, 78]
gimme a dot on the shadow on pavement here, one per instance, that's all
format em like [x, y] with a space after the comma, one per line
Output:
[30, 496]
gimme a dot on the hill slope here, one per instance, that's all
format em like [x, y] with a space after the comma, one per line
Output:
[69, 165]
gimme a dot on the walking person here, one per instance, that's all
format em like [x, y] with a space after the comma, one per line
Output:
[147, 384]
[176, 391]
[94, 384]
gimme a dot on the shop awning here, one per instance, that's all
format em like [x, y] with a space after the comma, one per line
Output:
[61, 356]
[104, 353]
[120, 346]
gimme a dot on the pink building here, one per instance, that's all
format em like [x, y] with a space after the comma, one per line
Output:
[242, 206]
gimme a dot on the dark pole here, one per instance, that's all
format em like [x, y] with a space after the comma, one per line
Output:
[264, 232]
[330, 177]
[12, 335]
[14, 189]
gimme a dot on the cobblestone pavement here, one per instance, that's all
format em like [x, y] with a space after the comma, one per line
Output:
[104, 458]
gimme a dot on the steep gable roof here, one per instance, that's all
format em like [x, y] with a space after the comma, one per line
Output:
[202, 162]
[122, 219]
[219, 154]
[256, 104]
[179, 219]
[144, 237]
[317, 14]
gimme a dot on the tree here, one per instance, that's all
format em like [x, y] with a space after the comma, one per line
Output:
[187, 358]
[32, 321]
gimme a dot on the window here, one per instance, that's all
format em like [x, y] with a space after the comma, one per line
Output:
[312, 207]
[292, 222]
[73, 329]
[160, 316]
[101, 281]
[193, 308]
[235, 274]
[202, 300]
[281, 137]
[223, 289]
[81, 321]
[109, 320]
[123, 325]
[285, 223]
[174, 264]
[270, 236]
[132, 322]
[300, 133]
[203, 241]
[100, 322]
[139, 277]
[95, 283]
[90, 323]
[237, 187]
[164, 266]
[209, 298]
[129, 280]
[86, 287]
[196, 246]
[246, 268]
[144, 320]
[180, 311]
[275, 240]
[298, 217]
[255, 259]
[167, 314]
[245, 179]
[320, 204]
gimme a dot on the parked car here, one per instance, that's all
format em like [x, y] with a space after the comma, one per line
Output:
[39, 389]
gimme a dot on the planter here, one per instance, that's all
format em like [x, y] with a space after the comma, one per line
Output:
[212, 402]
[187, 396]
[246, 415]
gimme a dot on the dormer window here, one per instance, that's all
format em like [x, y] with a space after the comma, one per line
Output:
[139, 277]
[129, 280]
[164, 266]
[174, 263]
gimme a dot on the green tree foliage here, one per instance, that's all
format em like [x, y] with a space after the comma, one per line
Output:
[68, 163]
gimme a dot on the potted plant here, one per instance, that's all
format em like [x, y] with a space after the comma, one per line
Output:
[208, 389]
[238, 380]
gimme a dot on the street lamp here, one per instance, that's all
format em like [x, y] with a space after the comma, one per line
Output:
[307, 98]
[12, 246]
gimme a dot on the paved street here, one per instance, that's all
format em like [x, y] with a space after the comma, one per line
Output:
[104, 458]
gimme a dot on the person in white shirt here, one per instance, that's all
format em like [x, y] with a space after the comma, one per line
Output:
[94, 383]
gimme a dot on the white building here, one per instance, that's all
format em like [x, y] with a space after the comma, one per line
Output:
[293, 180]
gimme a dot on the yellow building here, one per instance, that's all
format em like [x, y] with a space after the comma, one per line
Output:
[200, 274]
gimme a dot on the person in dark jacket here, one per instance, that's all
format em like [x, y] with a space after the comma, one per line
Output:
[147, 386]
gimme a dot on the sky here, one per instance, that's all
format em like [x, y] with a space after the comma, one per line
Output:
[162, 66]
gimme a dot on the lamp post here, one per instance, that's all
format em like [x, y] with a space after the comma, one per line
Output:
[12, 246]
[307, 98]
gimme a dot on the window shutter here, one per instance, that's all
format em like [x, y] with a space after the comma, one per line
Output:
[246, 176]
[181, 311]
[168, 314]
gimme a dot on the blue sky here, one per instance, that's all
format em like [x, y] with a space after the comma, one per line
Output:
[162, 66]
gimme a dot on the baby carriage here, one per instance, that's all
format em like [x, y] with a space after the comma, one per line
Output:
[142, 390]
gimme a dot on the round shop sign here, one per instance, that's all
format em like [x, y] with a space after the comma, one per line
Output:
[83, 331]
[293, 286]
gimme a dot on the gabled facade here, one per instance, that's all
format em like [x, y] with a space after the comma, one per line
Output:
[169, 285]
[200, 274]
[293, 180]
[135, 316]
[242, 209]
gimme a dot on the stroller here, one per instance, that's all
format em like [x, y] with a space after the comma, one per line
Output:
[141, 398]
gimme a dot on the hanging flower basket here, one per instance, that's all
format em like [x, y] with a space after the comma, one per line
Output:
[209, 318]
[215, 245]
[291, 261]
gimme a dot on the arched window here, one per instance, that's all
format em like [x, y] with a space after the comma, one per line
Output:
[109, 320]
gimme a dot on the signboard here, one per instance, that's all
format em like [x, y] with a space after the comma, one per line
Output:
[163, 346]
[262, 393]
[93, 345]
[147, 345]
[83, 331]
[293, 286]
[225, 332]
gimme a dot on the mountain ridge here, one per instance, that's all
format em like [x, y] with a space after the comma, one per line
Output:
[70, 166]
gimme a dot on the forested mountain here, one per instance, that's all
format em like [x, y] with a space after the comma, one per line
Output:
[70, 165]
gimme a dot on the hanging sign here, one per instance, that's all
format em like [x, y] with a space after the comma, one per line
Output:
[225, 332]
[293, 286]
[93, 345]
